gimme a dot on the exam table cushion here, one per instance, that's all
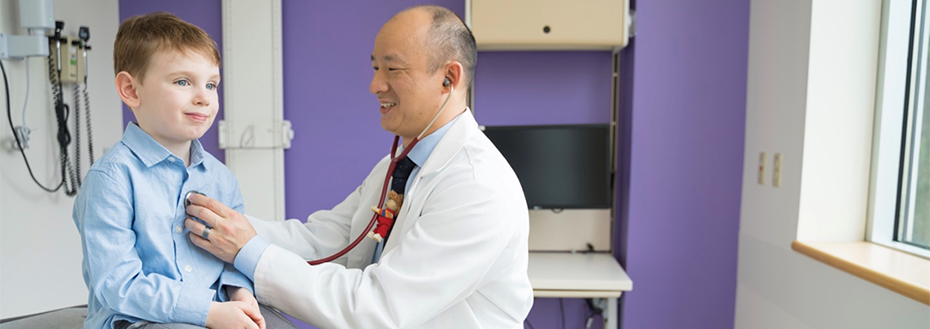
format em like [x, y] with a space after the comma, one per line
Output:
[66, 318]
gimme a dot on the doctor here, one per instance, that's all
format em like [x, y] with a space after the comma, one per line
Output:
[456, 256]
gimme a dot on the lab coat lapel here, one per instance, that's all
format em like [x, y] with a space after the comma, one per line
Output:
[450, 144]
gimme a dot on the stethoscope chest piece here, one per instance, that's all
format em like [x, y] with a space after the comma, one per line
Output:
[187, 200]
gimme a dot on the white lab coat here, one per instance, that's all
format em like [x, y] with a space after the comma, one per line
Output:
[456, 258]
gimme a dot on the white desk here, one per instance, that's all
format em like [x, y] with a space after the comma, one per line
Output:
[592, 275]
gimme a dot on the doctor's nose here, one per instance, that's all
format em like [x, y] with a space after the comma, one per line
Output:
[377, 85]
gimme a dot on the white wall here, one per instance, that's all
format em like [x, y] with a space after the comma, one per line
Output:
[40, 249]
[809, 69]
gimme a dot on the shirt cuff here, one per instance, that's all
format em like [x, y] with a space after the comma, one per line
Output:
[248, 256]
[193, 305]
[232, 278]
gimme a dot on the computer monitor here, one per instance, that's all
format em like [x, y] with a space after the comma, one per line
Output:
[559, 166]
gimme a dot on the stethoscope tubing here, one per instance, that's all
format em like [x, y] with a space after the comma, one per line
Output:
[387, 178]
[374, 217]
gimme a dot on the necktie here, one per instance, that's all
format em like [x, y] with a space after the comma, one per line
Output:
[400, 175]
[399, 182]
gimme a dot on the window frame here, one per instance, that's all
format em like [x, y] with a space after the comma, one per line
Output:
[893, 76]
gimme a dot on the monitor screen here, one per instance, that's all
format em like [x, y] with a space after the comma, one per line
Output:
[559, 166]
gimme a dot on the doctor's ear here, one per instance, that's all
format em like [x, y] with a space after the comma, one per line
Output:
[453, 75]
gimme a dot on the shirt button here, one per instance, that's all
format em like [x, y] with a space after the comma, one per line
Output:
[178, 229]
[188, 268]
[171, 159]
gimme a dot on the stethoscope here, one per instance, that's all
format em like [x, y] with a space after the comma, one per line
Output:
[394, 159]
[187, 203]
[371, 223]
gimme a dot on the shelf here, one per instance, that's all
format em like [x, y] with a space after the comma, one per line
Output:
[590, 275]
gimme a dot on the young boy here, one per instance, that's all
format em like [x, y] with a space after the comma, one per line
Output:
[139, 264]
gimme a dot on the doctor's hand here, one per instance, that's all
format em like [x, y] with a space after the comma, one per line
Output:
[229, 230]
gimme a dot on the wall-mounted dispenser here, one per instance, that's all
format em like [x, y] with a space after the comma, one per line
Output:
[35, 16]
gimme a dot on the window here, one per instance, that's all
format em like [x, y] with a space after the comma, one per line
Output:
[900, 187]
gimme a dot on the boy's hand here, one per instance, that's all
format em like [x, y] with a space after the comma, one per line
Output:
[234, 314]
[238, 294]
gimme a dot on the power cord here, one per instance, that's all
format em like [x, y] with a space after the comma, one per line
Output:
[26, 101]
[62, 112]
[77, 132]
[9, 116]
[594, 311]
[81, 44]
[90, 135]
[23, 130]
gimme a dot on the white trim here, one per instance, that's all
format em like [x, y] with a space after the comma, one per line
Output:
[919, 88]
[889, 110]
[468, 13]
[838, 122]
[889, 113]
[252, 69]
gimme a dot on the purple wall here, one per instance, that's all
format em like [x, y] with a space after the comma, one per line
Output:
[206, 14]
[530, 88]
[682, 119]
[685, 163]
[327, 71]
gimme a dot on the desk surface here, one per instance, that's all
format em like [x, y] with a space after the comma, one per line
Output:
[577, 275]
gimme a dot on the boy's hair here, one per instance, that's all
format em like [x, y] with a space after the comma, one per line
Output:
[140, 37]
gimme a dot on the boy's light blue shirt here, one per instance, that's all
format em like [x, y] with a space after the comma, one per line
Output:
[139, 263]
[251, 252]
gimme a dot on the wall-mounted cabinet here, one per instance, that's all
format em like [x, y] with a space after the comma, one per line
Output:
[555, 268]
[534, 25]
[548, 24]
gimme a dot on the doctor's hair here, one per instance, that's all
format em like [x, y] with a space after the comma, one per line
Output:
[140, 37]
[450, 39]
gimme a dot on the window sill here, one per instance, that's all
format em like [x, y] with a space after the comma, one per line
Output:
[897, 271]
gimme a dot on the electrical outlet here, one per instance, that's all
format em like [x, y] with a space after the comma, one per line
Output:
[776, 170]
[761, 168]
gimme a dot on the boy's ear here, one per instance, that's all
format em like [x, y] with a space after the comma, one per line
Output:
[127, 87]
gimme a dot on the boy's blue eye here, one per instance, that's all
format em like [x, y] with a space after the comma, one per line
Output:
[211, 86]
[182, 83]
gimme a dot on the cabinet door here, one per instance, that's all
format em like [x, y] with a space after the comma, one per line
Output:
[547, 24]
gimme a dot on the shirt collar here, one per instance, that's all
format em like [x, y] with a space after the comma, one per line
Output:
[150, 152]
[425, 146]
[197, 153]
